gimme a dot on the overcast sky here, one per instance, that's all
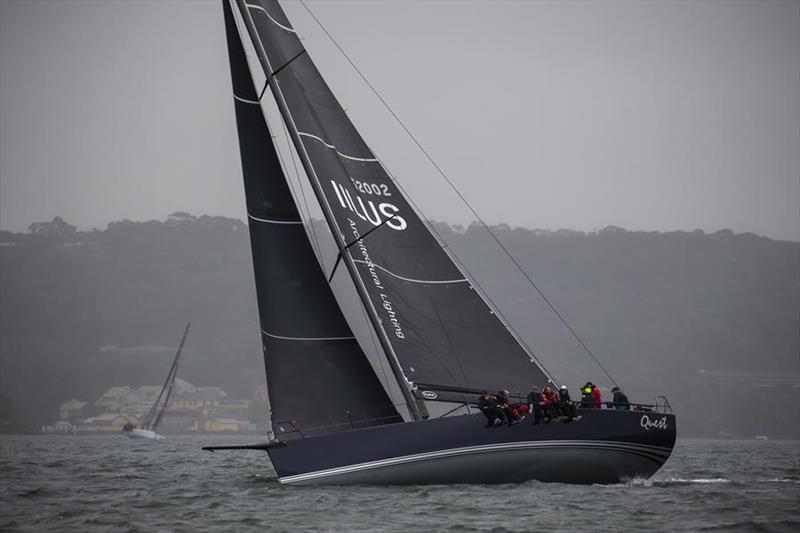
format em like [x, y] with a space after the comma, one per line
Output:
[652, 116]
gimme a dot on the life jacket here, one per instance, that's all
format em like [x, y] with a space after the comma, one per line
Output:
[586, 396]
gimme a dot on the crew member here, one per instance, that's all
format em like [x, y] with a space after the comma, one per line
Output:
[504, 405]
[488, 406]
[550, 404]
[535, 404]
[598, 403]
[565, 405]
[587, 398]
[621, 402]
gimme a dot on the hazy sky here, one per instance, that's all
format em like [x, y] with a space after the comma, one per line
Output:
[654, 116]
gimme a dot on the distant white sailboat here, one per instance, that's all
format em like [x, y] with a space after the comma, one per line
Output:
[156, 413]
[136, 433]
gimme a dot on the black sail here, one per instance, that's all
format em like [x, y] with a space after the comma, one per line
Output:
[317, 375]
[441, 331]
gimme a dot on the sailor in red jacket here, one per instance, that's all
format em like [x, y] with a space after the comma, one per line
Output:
[550, 404]
[596, 396]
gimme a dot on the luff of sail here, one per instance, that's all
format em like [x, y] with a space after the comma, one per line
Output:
[439, 328]
[317, 375]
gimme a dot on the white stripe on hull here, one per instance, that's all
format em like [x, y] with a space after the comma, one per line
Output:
[573, 461]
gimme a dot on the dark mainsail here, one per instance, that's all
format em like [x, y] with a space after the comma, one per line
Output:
[317, 375]
[438, 329]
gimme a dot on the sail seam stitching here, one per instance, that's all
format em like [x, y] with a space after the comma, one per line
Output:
[245, 100]
[285, 338]
[278, 24]
[460, 280]
[274, 221]
[332, 147]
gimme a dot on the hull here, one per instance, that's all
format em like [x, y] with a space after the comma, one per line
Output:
[603, 447]
[143, 434]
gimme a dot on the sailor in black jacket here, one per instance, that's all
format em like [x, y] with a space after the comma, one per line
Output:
[488, 406]
[535, 403]
[621, 402]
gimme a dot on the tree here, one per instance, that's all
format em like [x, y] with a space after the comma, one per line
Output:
[56, 228]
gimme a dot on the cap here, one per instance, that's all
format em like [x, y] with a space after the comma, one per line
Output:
[563, 387]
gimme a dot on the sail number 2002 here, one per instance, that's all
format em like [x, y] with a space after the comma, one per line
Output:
[372, 188]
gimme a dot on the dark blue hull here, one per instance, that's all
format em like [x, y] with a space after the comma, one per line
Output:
[603, 447]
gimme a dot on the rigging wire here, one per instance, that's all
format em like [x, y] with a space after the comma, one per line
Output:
[461, 196]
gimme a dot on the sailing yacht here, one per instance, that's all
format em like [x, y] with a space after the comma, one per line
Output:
[396, 406]
[153, 418]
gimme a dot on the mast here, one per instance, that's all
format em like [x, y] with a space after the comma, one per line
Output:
[414, 408]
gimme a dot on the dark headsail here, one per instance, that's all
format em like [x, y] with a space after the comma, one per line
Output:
[316, 372]
[437, 327]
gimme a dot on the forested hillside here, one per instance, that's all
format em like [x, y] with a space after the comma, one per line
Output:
[710, 320]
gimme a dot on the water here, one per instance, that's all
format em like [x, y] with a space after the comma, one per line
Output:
[105, 483]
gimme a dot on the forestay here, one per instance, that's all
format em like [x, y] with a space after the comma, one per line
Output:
[442, 332]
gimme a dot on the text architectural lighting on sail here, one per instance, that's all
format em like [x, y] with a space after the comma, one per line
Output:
[442, 332]
[317, 375]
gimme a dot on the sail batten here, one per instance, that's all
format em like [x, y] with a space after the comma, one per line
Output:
[246, 101]
[303, 339]
[398, 276]
[264, 11]
[332, 147]
[269, 221]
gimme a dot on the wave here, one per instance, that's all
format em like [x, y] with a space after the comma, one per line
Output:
[682, 481]
[650, 482]
[754, 525]
[34, 492]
